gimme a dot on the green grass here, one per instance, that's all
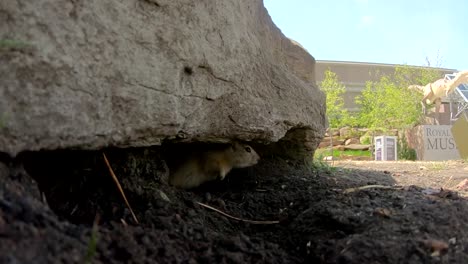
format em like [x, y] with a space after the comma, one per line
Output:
[92, 244]
[323, 167]
[3, 119]
[438, 166]
[13, 44]
[320, 153]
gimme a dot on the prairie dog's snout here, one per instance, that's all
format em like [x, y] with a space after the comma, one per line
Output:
[210, 165]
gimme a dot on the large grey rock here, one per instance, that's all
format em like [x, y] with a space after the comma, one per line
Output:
[357, 147]
[90, 74]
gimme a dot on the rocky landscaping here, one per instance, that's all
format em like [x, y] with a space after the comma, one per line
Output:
[350, 143]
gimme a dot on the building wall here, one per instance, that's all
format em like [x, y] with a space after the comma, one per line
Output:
[354, 76]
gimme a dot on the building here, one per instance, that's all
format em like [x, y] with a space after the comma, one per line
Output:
[354, 76]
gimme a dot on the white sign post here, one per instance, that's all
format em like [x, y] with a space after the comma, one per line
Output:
[385, 148]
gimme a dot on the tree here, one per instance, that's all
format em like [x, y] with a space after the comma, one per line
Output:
[405, 76]
[388, 103]
[334, 90]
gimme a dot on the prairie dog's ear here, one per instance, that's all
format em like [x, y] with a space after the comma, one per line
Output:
[236, 145]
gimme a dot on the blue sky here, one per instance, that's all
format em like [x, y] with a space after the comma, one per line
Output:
[382, 31]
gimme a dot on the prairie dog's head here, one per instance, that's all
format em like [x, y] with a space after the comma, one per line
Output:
[242, 155]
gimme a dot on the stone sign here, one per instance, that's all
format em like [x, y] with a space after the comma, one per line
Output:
[434, 142]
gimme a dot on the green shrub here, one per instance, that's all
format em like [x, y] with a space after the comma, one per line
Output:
[389, 104]
[404, 151]
[365, 140]
[334, 90]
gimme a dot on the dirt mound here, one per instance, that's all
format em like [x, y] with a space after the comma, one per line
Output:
[319, 221]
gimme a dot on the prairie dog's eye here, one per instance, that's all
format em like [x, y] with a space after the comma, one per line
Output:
[248, 149]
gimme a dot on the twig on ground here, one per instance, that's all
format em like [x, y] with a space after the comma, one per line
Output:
[350, 190]
[447, 182]
[239, 219]
[119, 187]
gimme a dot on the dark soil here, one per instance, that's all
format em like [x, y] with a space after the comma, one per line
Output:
[320, 221]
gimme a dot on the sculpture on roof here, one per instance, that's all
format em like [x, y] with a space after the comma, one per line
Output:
[433, 92]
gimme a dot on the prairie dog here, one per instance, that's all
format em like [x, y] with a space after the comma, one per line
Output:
[211, 165]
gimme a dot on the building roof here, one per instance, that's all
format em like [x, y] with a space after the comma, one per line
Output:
[353, 73]
[358, 63]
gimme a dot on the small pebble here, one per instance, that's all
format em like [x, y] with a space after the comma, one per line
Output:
[207, 197]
